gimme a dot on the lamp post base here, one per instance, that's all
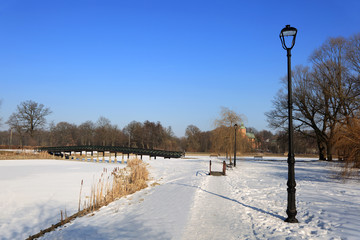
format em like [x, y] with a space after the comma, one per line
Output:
[291, 220]
[291, 217]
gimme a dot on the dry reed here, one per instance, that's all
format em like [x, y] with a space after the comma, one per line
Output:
[119, 183]
[82, 182]
[18, 155]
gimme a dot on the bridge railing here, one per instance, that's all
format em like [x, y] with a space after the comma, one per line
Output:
[113, 149]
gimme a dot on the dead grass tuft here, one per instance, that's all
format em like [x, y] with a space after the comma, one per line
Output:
[155, 184]
[19, 155]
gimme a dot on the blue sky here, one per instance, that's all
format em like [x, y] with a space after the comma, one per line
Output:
[176, 62]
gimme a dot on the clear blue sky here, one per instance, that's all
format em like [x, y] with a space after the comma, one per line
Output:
[173, 61]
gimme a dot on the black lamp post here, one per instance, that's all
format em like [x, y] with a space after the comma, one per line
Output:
[235, 126]
[289, 34]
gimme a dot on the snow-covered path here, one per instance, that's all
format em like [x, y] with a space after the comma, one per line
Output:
[237, 207]
[215, 213]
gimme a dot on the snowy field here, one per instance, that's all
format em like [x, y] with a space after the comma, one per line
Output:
[248, 203]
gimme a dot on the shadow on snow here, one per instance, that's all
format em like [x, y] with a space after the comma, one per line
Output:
[234, 200]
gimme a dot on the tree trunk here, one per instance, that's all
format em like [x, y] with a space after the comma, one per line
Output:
[321, 149]
[21, 141]
[329, 150]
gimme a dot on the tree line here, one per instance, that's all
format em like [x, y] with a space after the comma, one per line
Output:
[326, 97]
[28, 128]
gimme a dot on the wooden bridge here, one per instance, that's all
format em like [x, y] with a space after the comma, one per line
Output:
[66, 151]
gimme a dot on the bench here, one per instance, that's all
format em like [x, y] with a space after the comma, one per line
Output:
[214, 155]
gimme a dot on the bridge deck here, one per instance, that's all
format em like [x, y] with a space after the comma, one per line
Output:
[113, 149]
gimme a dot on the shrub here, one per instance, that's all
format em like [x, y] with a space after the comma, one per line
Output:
[348, 145]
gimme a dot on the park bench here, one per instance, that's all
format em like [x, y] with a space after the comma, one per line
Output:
[214, 155]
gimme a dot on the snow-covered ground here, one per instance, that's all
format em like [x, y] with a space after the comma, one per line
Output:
[248, 203]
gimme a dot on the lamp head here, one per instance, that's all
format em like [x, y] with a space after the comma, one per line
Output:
[288, 33]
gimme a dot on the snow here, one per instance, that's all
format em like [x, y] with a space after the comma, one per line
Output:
[186, 203]
[33, 192]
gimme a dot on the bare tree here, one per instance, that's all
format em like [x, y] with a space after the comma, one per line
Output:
[171, 142]
[353, 52]
[105, 132]
[266, 141]
[324, 96]
[228, 118]
[64, 134]
[197, 140]
[87, 133]
[150, 135]
[205, 141]
[220, 140]
[192, 134]
[308, 113]
[16, 125]
[29, 117]
[133, 131]
[223, 136]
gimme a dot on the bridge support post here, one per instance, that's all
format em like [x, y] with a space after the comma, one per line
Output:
[103, 159]
[92, 156]
[97, 159]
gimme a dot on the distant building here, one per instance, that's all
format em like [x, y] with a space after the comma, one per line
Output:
[250, 136]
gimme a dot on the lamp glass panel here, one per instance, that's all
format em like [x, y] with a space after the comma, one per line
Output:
[289, 33]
